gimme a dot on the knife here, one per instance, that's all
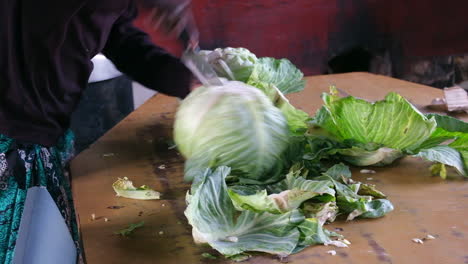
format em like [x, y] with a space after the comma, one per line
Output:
[197, 64]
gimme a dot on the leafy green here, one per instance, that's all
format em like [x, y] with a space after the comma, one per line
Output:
[370, 190]
[235, 64]
[232, 229]
[234, 125]
[449, 123]
[323, 212]
[313, 233]
[362, 121]
[239, 257]
[239, 64]
[267, 178]
[444, 154]
[362, 134]
[124, 188]
[215, 221]
[354, 199]
[448, 128]
[438, 147]
[274, 77]
[338, 172]
[259, 202]
[361, 157]
[297, 182]
[208, 256]
[354, 205]
[348, 199]
[284, 196]
[439, 169]
[129, 230]
[297, 119]
[280, 73]
[244, 218]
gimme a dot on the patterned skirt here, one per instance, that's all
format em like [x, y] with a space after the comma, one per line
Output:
[23, 166]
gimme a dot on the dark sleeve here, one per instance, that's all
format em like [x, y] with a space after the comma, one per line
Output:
[133, 53]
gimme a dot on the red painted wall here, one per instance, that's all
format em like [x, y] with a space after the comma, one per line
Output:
[424, 27]
[309, 32]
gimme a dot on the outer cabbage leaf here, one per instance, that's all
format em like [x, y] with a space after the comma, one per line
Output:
[215, 220]
[350, 202]
[364, 134]
[370, 190]
[274, 203]
[354, 205]
[323, 212]
[281, 73]
[313, 233]
[453, 154]
[448, 128]
[352, 198]
[326, 147]
[339, 172]
[361, 157]
[297, 119]
[445, 155]
[449, 123]
[393, 122]
[284, 196]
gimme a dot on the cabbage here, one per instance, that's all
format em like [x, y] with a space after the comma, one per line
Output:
[235, 125]
[274, 77]
[235, 64]
[239, 141]
[376, 134]
[392, 122]
[216, 221]
[284, 196]
[234, 219]
[239, 64]
[297, 119]
[281, 73]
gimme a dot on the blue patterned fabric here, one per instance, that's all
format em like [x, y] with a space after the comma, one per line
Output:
[44, 166]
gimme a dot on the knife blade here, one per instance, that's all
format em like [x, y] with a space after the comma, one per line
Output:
[197, 64]
[200, 68]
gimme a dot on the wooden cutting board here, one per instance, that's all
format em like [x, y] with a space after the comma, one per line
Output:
[137, 148]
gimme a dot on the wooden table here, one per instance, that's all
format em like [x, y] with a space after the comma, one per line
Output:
[136, 148]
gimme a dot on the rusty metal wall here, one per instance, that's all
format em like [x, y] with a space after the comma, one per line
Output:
[311, 32]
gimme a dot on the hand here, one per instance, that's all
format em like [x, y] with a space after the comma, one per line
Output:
[174, 18]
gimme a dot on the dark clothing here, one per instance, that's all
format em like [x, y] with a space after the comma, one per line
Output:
[46, 49]
[102, 105]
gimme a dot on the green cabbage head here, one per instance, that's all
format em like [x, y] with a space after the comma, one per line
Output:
[234, 64]
[233, 125]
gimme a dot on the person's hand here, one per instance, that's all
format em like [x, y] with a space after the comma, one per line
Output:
[174, 18]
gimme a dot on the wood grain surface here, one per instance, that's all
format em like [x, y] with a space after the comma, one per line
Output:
[138, 146]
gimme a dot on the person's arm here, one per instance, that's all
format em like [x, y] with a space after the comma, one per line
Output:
[133, 53]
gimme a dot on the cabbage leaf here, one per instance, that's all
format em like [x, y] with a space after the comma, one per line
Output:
[377, 134]
[280, 73]
[216, 221]
[244, 218]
